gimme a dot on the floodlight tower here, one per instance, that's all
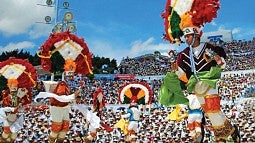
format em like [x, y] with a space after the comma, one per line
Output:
[67, 22]
[47, 19]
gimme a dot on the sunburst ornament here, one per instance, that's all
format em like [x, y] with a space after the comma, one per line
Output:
[17, 75]
[19, 70]
[139, 92]
[12, 70]
[71, 48]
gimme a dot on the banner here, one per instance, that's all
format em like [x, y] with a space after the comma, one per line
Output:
[124, 76]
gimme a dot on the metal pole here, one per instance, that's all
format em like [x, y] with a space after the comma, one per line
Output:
[56, 9]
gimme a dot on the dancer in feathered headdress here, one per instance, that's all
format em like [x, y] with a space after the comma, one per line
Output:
[199, 66]
[71, 53]
[19, 76]
[98, 100]
[134, 93]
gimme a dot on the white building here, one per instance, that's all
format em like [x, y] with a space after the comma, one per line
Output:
[216, 36]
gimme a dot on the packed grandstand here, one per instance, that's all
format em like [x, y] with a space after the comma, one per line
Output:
[236, 87]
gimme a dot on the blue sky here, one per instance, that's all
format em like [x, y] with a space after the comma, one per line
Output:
[112, 28]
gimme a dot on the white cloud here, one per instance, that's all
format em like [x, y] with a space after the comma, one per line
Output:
[19, 46]
[222, 27]
[236, 30]
[240, 33]
[213, 23]
[107, 50]
[138, 48]
[21, 17]
[143, 47]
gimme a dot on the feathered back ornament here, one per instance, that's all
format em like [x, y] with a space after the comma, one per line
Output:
[138, 92]
[73, 52]
[17, 75]
[180, 14]
[18, 72]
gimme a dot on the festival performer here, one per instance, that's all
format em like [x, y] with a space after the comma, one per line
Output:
[75, 59]
[93, 122]
[133, 118]
[202, 79]
[93, 116]
[199, 65]
[59, 114]
[134, 93]
[20, 76]
[195, 114]
[98, 101]
[60, 100]
[171, 94]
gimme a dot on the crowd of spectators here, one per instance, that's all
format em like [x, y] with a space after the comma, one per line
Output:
[236, 86]
[240, 55]
[236, 90]
[153, 128]
[152, 64]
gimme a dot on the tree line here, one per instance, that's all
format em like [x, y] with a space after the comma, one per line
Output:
[100, 64]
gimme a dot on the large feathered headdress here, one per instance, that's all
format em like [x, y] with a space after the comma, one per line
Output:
[73, 50]
[136, 92]
[180, 14]
[19, 73]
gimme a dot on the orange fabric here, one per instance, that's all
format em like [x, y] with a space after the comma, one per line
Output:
[7, 101]
[61, 89]
[7, 129]
[193, 125]
[131, 132]
[56, 127]
[212, 104]
[65, 125]
[197, 124]
[55, 102]
[101, 105]
[184, 78]
[93, 134]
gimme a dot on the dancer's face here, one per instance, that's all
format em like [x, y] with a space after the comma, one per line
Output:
[188, 38]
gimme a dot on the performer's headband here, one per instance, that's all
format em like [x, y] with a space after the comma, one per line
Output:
[191, 30]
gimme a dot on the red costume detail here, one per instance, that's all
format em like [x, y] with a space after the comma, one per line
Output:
[65, 125]
[61, 89]
[56, 127]
[212, 104]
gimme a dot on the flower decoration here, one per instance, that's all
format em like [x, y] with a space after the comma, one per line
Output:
[69, 65]
[12, 83]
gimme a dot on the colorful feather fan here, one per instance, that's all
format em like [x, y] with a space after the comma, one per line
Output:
[179, 14]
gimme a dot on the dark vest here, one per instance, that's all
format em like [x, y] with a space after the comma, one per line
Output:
[183, 59]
